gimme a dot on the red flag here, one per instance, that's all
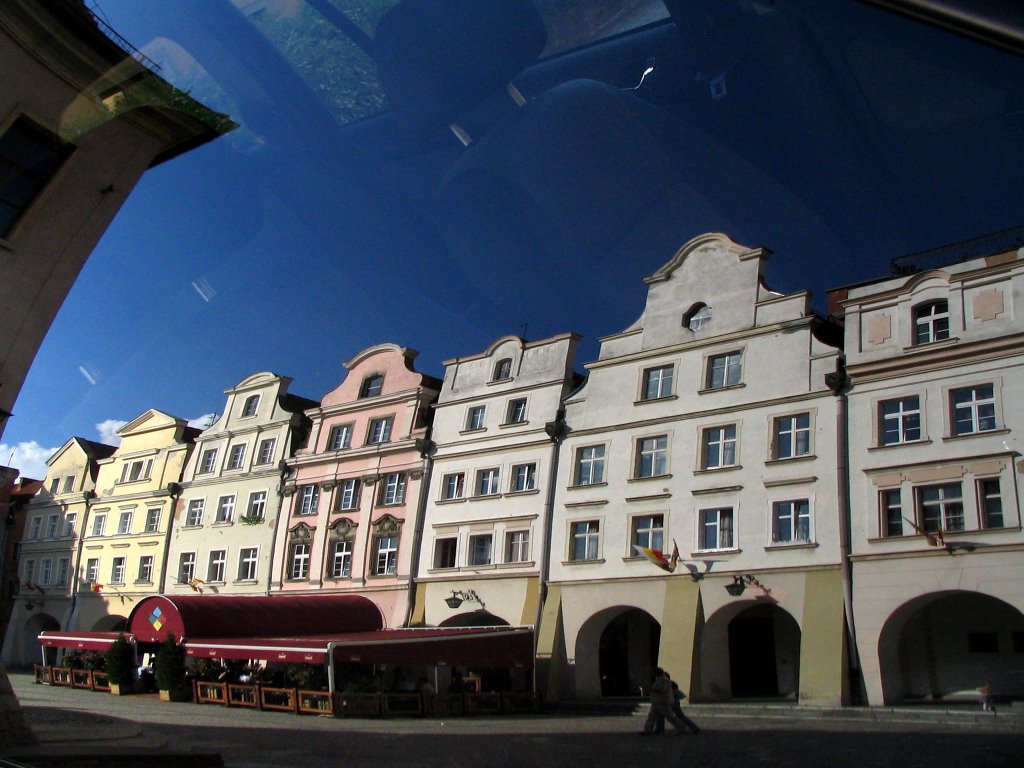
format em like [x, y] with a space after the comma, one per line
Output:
[934, 539]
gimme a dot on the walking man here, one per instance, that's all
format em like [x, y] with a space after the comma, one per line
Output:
[662, 699]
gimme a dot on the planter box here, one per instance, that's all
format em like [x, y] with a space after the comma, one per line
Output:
[42, 674]
[408, 704]
[211, 693]
[122, 690]
[240, 695]
[177, 694]
[359, 704]
[60, 676]
[100, 681]
[280, 699]
[81, 678]
[316, 703]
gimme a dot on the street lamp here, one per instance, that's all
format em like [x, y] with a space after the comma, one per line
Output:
[740, 583]
[459, 597]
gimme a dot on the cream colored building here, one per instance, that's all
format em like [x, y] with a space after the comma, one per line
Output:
[80, 121]
[707, 424]
[222, 539]
[50, 546]
[492, 483]
[935, 418]
[125, 533]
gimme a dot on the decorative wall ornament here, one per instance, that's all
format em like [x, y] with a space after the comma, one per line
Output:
[300, 533]
[342, 528]
[386, 526]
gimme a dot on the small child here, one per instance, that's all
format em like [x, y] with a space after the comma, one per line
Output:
[986, 698]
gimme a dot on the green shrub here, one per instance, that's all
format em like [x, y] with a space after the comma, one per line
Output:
[121, 662]
[169, 666]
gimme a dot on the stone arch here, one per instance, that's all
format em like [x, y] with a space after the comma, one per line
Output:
[478, 618]
[945, 645]
[27, 643]
[112, 623]
[616, 651]
[750, 649]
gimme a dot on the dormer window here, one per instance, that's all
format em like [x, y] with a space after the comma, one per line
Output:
[372, 385]
[931, 322]
[698, 317]
[252, 403]
[503, 369]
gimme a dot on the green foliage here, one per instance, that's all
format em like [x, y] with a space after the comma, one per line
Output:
[208, 670]
[169, 666]
[121, 662]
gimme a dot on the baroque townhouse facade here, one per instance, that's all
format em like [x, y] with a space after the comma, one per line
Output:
[50, 547]
[350, 520]
[488, 509]
[706, 425]
[936, 361]
[127, 528]
[222, 540]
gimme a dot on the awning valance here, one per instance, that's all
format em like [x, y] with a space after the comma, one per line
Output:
[84, 641]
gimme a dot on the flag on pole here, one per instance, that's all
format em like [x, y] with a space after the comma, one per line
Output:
[657, 557]
[935, 539]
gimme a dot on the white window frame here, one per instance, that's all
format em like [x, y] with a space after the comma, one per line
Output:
[517, 546]
[515, 413]
[647, 530]
[194, 512]
[488, 482]
[217, 566]
[652, 457]
[584, 540]
[372, 386]
[225, 509]
[904, 419]
[70, 522]
[348, 497]
[523, 478]
[441, 545]
[99, 523]
[145, 572]
[340, 437]
[308, 499]
[724, 438]
[248, 563]
[236, 456]
[890, 508]
[256, 507]
[502, 369]
[797, 436]
[250, 407]
[45, 572]
[63, 571]
[153, 520]
[944, 505]
[92, 569]
[589, 469]
[731, 368]
[379, 430]
[187, 567]
[453, 486]
[385, 555]
[124, 522]
[705, 524]
[298, 561]
[265, 454]
[985, 497]
[208, 462]
[340, 566]
[36, 528]
[656, 383]
[129, 473]
[476, 416]
[976, 409]
[69, 484]
[931, 322]
[117, 570]
[393, 489]
[52, 523]
[793, 516]
[480, 551]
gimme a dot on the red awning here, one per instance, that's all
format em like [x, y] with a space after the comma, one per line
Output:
[86, 641]
[185, 616]
[488, 647]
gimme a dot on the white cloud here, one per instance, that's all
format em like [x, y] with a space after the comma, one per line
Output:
[108, 431]
[28, 457]
[203, 421]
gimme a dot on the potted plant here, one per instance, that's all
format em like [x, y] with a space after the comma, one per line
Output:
[169, 668]
[121, 667]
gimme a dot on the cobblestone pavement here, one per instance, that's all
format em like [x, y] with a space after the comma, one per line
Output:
[67, 720]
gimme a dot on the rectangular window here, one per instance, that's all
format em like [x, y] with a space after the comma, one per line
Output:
[218, 565]
[124, 522]
[266, 451]
[792, 436]
[46, 572]
[194, 516]
[503, 369]
[117, 571]
[69, 484]
[145, 575]
[63, 570]
[153, 520]
[524, 477]
[30, 571]
[648, 531]
[445, 551]
[380, 431]
[298, 562]
[589, 465]
[385, 558]
[517, 547]
[247, 564]
[36, 528]
[54, 486]
[393, 489]
[341, 559]
[99, 522]
[716, 528]
[480, 549]
[931, 322]
[516, 413]
[892, 512]
[236, 458]
[475, 417]
[974, 409]
[51, 526]
[340, 437]
[724, 370]
[652, 456]
[791, 521]
[657, 383]
[584, 540]
[719, 447]
[372, 386]
[226, 509]
[70, 521]
[348, 498]
[940, 507]
[29, 157]
[257, 506]
[309, 497]
[900, 420]
[991, 503]
[453, 486]
[133, 471]
[187, 567]
[209, 461]
[92, 569]
[487, 482]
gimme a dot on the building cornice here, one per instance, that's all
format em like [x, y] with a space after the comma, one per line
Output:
[937, 358]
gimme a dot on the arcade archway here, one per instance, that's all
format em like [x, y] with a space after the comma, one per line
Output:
[110, 624]
[945, 645]
[29, 647]
[616, 651]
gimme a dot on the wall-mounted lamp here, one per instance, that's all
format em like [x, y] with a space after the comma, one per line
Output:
[459, 597]
[740, 583]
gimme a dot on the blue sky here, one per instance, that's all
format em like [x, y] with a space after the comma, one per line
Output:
[242, 256]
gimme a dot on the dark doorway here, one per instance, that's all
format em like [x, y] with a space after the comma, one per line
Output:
[752, 657]
[627, 653]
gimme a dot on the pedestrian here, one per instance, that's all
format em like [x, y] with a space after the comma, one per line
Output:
[661, 704]
[987, 704]
[677, 708]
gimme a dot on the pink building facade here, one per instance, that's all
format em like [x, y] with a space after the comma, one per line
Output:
[352, 511]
